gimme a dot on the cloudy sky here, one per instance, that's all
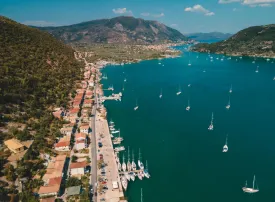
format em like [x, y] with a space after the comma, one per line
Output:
[185, 15]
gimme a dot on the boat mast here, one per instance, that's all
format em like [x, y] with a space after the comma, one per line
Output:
[139, 154]
[128, 154]
[146, 165]
[253, 181]
[212, 118]
[226, 139]
[141, 196]
[133, 155]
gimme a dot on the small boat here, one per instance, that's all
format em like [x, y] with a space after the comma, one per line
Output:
[111, 122]
[225, 147]
[115, 131]
[119, 166]
[204, 71]
[146, 173]
[189, 64]
[123, 164]
[124, 182]
[140, 164]
[228, 105]
[134, 166]
[230, 90]
[140, 175]
[112, 129]
[127, 176]
[160, 96]
[132, 176]
[118, 149]
[179, 92]
[136, 107]
[253, 62]
[189, 85]
[250, 190]
[274, 78]
[257, 70]
[188, 106]
[105, 76]
[211, 126]
[111, 88]
[125, 80]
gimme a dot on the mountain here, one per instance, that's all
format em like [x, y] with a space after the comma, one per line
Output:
[36, 71]
[252, 41]
[127, 30]
[211, 36]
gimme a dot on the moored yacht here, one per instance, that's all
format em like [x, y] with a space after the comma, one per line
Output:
[140, 175]
[230, 90]
[123, 164]
[136, 107]
[134, 166]
[179, 92]
[228, 105]
[188, 106]
[119, 166]
[251, 190]
[225, 147]
[124, 182]
[211, 126]
[129, 165]
[160, 96]
[146, 173]
[132, 176]
[128, 177]
[140, 164]
[257, 69]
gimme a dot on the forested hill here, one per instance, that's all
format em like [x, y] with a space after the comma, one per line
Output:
[252, 41]
[36, 71]
[123, 29]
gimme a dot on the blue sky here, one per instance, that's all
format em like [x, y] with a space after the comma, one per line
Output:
[185, 15]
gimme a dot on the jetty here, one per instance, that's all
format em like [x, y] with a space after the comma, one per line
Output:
[112, 97]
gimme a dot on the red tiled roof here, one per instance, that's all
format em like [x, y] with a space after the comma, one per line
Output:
[49, 189]
[88, 101]
[82, 164]
[84, 127]
[74, 110]
[80, 141]
[56, 180]
[62, 144]
[80, 135]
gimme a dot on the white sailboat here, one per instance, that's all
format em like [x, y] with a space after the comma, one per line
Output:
[179, 92]
[115, 131]
[132, 176]
[123, 87]
[189, 64]
[125, 80]
[136, 107]
[251, 190]
[128, 177]
[105, 76]
[228, 105]
[123, 164]
[146, 173]
[225, 147]
[274, 78]
[188, 106]
[211, 126]
[129, 165]
[230, 90]
[189, 85]
[160, 96]
[124, 182]
[257, 69]
[140, 164]
[140, 175]
[134, 166]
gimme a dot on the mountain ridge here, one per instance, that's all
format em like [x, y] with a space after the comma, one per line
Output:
[209, 36]
[251, 41]
[122, 29]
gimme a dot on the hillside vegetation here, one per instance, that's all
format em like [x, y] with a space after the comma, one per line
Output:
[127, 30]
[252, 41]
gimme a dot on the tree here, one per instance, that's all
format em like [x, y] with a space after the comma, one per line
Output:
[10, 173]
[74, 158]
[73, 181]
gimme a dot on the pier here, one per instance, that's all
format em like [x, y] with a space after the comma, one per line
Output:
[112, 97]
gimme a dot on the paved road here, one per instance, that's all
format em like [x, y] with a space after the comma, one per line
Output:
[93, 149]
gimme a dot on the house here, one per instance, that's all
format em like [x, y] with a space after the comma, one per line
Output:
[71, 191]
[84, 129]
[80, 141]
[79, 96]
[58, 114]
[74, 112]
[66, 131]
[14, 145]
[63, 144]
[87, 103]
[53, 177]
[89, 94]
[91, 83]
[78, 168]
[76, 103]
[80, 136]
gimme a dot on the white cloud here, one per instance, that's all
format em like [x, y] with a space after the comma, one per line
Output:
[199, 9]
[145, 14]
[39, 23]
[122, 11]
[228, 1]
[158, 15]
[265, 5]
[251, 2]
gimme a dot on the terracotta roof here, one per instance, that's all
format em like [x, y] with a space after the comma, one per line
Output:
[88, 101]
[74, 110]
[80, 141]
[13, 144]
[80, 135]
[54, 181]
[67, 129]
[62, 144]
[82, 164]
[84, 127]
[52, 199]
[49, 189]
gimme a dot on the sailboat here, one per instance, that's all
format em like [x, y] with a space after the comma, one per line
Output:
[179, 92]
[125, 80]
[140, 175]
[123, 164]
[188, 106]
[257, 70]
[146, 173]
[134, 166]
[136, 107]
[189, 85]
[132, 176]
[225, 147]
[251, 190]
[105, 76]
[228, 105]
[230, 90]
[274, 78]
[129, 165]
[189, 64]
[211, 126]
[128, 177]
[140, 164]
[123, 87]
[124, 182]
[160, 96]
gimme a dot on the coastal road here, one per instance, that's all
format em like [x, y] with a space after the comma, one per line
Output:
[93, 148]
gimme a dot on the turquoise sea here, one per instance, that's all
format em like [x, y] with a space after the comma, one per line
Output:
[185, 159]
